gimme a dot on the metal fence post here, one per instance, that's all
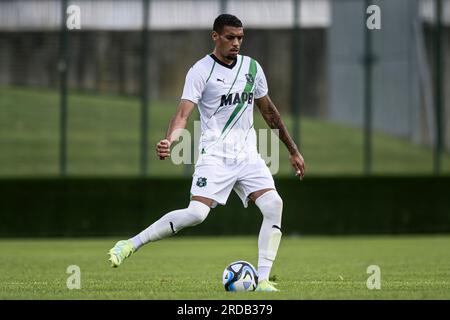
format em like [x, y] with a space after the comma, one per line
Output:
[295, 74]
[144, 88]
[63, 66]
[438, 87]
[368, 65]
[223, 6]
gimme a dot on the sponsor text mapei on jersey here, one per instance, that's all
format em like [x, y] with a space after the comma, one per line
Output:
[235, 98]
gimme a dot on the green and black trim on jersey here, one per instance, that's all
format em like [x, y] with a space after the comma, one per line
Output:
[249, 90]
[232, 85]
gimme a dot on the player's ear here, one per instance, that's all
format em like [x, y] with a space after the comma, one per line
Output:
[214, 36]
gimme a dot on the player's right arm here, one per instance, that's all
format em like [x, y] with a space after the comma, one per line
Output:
[176, 124]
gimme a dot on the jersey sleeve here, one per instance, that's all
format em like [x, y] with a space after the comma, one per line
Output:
[193, 85]
[261, 88]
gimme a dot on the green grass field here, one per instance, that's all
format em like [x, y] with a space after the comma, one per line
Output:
[412, 267]
[103, 139]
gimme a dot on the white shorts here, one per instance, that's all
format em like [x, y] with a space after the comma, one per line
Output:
[215, 177]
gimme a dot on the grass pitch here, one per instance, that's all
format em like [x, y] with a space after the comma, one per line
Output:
[412, 267]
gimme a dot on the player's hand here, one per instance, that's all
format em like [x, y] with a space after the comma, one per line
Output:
[298, 164]
[163, 149]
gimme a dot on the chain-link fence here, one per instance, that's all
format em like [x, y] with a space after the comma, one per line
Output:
[88, 87]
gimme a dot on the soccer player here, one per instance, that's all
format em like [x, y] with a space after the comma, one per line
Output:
[225, 85]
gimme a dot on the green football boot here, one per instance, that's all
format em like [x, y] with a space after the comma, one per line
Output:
[122, 250]
[266, 286]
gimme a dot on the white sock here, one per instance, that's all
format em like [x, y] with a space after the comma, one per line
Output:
[173, 222]
[263, 273]
[271, 206]
[137, 243]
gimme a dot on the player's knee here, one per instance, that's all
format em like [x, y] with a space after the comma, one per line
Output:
[197, 217]
[271, 205]
[277, 202]
[277, 208]
[274, 202]
[198, 212]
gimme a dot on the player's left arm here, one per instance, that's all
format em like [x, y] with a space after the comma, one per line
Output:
[273, 119]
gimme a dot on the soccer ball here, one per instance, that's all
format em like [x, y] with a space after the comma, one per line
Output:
[240, 276]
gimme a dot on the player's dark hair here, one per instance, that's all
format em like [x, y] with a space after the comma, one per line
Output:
[226, 20]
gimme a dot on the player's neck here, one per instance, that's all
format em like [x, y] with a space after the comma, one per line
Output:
[222, 58]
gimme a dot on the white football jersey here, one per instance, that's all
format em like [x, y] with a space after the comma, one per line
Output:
[225, 96]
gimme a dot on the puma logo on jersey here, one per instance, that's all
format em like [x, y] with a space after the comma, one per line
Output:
[236, 98]
[221, 80]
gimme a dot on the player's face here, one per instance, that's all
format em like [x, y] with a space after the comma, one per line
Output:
[229, 41]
